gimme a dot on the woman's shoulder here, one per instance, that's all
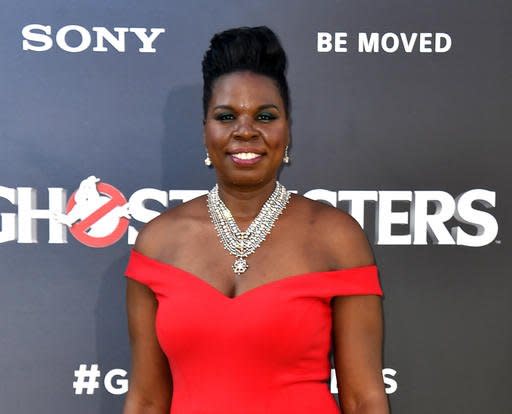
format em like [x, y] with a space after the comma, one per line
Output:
[166, 228]
[340, 235]
[321, 212]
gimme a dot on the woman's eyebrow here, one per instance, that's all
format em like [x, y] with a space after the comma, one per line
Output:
[264, 106]
[222, 107]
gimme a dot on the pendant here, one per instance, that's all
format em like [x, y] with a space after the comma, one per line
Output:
[240, 265]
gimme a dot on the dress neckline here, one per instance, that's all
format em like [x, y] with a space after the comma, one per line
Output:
[240, 296]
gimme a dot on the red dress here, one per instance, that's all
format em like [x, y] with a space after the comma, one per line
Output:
[265, 351]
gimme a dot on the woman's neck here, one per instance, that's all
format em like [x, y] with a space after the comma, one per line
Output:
[245, 202]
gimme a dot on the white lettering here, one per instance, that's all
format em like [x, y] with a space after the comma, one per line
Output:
[138, 210]
[391, 383]
[386, 217]
[28, 214]
[102, 33]
[425, 43]
[486, 224]
[85, 36]
[8, 220]
[439, 48]
[323, 42]
[368, 45]
[121, 384]
[394, 45]
[29, 35]
[147, 41]
[37, 37]
[408, 43]
[340, 39]
[22, 226]
[391, 42]
[421, 222]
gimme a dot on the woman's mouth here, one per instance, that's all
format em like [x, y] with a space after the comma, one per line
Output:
[246, 158]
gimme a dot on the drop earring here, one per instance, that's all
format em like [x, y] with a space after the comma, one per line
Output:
[207, 160]
[286, 158]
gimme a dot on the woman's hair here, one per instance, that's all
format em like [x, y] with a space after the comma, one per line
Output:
[256, 49]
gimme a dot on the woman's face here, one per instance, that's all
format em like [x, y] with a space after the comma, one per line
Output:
[246, 130]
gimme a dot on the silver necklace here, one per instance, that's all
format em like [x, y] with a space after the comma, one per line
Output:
[243, 243]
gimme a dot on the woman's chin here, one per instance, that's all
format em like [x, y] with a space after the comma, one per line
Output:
[246, 180]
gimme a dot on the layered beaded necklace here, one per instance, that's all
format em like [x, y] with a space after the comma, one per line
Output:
[243, 243]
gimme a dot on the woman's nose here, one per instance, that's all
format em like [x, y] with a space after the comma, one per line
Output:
[245, 128]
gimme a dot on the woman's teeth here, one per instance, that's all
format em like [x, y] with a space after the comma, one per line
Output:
[246, 155]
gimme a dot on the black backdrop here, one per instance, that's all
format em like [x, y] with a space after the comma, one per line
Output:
[403, 127]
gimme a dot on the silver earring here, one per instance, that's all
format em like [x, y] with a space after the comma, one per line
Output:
[207, 160]
[286, 158]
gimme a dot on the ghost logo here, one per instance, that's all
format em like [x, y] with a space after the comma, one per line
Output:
[97, 213]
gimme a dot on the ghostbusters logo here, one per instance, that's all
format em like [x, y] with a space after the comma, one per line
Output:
[97, 214]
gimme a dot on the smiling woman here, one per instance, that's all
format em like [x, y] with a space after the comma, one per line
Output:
[246, 126]
[236, 298]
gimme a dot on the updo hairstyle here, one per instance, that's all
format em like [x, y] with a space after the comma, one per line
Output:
[256, 49]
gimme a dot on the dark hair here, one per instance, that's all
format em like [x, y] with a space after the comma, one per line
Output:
[256, 49]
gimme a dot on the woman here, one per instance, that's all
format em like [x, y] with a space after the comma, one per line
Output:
[234, 297]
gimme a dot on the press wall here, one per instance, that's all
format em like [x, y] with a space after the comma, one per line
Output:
[401, 116]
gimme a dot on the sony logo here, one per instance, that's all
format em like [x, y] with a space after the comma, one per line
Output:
[38, 38]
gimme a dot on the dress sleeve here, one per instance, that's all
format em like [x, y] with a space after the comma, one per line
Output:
[144, 270]
[361, 280]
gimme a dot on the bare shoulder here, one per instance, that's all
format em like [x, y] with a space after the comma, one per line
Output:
[340, 235]
[160, 233]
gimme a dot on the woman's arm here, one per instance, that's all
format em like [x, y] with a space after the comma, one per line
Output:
[357, 328]
[150, 383]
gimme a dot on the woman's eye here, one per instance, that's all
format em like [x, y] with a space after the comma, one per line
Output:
[224, 117]
[266, 116]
